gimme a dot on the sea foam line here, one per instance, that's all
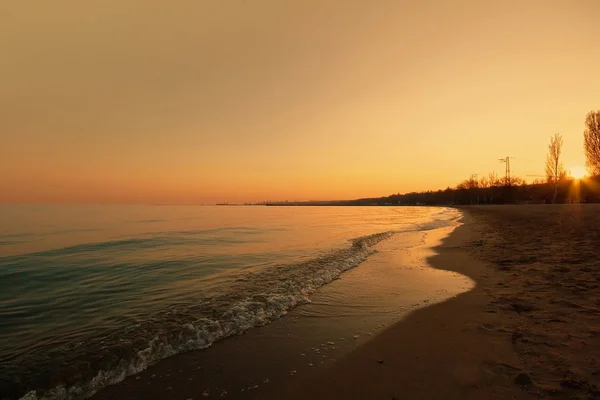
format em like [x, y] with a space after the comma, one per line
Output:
[279, 290]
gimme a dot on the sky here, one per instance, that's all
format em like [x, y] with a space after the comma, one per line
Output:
[191, 101]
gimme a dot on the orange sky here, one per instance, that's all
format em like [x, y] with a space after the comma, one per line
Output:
[204, 101]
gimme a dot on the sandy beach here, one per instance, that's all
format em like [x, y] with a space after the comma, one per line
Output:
[530, 329]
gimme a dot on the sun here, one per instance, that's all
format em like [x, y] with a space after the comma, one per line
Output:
[578, 172]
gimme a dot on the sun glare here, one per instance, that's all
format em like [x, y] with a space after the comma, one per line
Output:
[578, 172]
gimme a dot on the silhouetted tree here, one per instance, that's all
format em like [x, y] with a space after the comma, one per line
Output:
[484, 182]
[554, 168]
[516, 181]
[468, 184]
[591, 144]
[493, 178]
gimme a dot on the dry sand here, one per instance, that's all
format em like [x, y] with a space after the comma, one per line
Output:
[530, 328]
[550, 258]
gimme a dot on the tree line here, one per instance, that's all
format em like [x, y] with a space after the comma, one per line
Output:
[558, 187]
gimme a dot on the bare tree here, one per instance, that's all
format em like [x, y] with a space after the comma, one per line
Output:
[554, 168]
[517, 181]
[493, 179]
[591, 144]
[468, 184]
[484, 182]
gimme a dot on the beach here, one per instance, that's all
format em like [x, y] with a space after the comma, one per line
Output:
[500, 305]
[252, 200]
[530, 328]
[121, 294]
[341, 317]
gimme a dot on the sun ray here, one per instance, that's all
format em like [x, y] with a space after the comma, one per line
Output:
[578, 172]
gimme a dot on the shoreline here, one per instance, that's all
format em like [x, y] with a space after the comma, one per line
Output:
[274, 293]
[437, 352]
[529, 329]
[341, 316]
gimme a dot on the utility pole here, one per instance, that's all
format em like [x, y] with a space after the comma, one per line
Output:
[507, 169]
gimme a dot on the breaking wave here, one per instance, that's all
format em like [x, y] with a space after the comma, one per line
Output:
[80, 368]
[254, 300]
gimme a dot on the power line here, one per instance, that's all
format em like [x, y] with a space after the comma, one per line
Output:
[525, 159]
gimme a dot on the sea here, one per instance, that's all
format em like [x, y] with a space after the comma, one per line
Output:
[92, 294]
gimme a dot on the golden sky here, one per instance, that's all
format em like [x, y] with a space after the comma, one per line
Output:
[194, 101]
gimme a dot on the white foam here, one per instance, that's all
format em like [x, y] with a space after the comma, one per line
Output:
[289, 286]
[291, 290]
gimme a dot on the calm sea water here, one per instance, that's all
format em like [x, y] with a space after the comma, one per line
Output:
[91, 294]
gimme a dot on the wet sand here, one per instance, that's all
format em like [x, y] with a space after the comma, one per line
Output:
[530, 329]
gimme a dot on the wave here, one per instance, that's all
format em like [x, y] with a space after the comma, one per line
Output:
[254, 300]
[78, 370]
[154, 239]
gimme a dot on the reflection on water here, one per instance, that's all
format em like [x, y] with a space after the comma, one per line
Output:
[74, 279]
[341, 316]
[393, 282]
